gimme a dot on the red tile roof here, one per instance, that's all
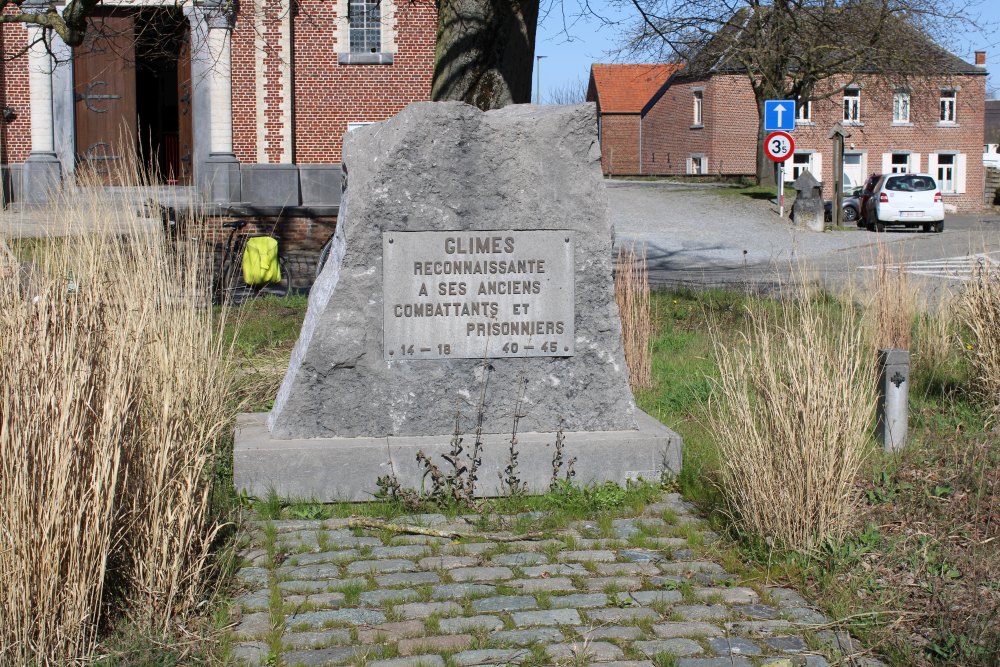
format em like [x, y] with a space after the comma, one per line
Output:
[627, 88]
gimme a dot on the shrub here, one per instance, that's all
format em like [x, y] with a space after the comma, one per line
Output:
[113, 393]
[792, 411]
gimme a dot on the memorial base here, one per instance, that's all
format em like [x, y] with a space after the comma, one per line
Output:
[345, 469]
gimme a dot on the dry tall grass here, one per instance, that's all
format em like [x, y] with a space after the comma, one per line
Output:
[632, 295]
[113, 394]
[792, 412]
[978, 312]
[890, 305]
[935, 338]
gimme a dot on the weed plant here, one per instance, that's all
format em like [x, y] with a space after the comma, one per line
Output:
[791, 412]
[632, 295]
[114, 387]
[978, 312]
[889, 311]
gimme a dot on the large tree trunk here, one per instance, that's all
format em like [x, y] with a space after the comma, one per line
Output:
[766, 175]
[484, 51]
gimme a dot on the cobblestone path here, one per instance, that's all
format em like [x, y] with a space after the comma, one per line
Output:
[634, 592]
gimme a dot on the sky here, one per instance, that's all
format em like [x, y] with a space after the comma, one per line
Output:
[570, 42]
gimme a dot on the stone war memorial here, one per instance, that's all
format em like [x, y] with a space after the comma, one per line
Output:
[470, 279]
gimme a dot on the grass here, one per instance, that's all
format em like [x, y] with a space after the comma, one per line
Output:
[110, 444]
[915, 571]
[791, 414]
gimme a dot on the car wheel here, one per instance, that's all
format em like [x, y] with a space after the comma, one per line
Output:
[879, 225]
[937, 227]
[850, 214]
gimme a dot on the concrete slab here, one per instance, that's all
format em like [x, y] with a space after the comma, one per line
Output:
[335, 469]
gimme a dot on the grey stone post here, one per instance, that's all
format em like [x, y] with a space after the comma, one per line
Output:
[893, 399]
[222, 177]
[808, 207]
[42, 171]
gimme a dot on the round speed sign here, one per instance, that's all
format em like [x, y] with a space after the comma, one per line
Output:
[779, 146]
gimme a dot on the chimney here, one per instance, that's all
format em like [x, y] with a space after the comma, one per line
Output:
[980, 58]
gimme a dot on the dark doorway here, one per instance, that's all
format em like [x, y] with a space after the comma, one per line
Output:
[163, 96]
[132, 85]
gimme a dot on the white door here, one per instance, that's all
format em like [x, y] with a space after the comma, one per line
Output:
[854, 171]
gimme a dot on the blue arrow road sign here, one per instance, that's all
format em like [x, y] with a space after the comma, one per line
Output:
[779, 115]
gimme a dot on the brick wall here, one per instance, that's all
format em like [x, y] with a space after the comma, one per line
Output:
[620, 144]
[728, 138]
[669, 136]
[923, 136]
[16, 141]
[299, 240]
[244, 76]
[328, 96]
[733, 117]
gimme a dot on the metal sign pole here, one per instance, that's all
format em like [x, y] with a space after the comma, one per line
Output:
[781, 189]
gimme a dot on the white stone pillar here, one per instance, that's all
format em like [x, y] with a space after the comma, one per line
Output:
[42, 172]
[221, 86]
[222, 168]
[40, 84]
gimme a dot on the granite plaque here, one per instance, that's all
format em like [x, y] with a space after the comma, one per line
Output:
[468, 294]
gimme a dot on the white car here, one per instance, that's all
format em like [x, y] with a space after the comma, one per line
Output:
[906, 200]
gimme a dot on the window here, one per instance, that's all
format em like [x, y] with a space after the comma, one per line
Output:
[901, 107]
[803, 112]
[852, 105]
[909, 183]
[800, 162]
[365, 20]
[353, 126]
[900, 163]
[696, 165]
[950, 171]
[946, 172]
[698, 103]
[948, 98]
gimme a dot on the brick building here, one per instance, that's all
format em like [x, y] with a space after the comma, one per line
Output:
[247, 101]
[704, 121]
[621, 92]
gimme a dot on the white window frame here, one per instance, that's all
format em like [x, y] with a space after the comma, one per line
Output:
[948, 107]
[698, 108]
[901, 107]
[900, 168]
[959, 166]
[354, 126]
[387, 37]
[702, 164]
[852, 105]
[364, 16]
[813, 162]
[945, 175]
[803, 113]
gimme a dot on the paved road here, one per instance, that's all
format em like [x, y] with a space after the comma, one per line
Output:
[710, 236]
